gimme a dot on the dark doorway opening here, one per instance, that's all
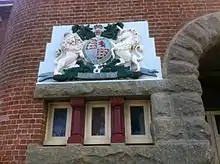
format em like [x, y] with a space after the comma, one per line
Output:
[209, 70]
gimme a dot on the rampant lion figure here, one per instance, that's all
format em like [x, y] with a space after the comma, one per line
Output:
[127, 47]
[69, 52]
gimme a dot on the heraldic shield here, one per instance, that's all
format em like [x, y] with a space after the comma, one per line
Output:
[97, 50]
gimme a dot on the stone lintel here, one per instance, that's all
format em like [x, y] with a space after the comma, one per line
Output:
[182, 152]
[115, 87]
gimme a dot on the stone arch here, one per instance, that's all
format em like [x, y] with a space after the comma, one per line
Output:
[189, 44]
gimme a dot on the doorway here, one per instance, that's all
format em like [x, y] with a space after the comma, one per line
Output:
[210, 80]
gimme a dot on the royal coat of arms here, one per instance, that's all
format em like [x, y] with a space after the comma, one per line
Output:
[100, 52]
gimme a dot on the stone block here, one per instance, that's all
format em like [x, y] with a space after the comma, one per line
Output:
[161, 104]
[189, 43]
[211, 25]
[166, 153]
[167, 129]
[187, 104]
[180, 68]
[197, 32]
[186, 152]
[196, 128]
[183, 84]
[181, 54]
[176, 104]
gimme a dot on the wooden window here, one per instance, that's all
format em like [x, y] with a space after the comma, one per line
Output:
[137, 122]
[213, 118]
[97, 123]
[58, 124]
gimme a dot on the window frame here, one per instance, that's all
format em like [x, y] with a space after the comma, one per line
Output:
[49, 140]
[137, 139]
[210, 114]
[88, 138]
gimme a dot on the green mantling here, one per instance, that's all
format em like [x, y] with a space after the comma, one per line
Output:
[72, 73]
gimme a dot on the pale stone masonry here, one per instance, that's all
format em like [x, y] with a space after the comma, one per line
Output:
[180, 133]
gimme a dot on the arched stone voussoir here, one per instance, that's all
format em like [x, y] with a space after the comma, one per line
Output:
[191, 42]
[182, 54]
[211, 24]
[197, 33]
[181, 68]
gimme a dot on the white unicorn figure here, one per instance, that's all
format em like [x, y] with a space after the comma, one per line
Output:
[69, 52]
[127, 47]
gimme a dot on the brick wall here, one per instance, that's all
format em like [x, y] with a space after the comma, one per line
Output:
[30, 28]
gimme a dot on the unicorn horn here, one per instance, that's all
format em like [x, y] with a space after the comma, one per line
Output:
[119, 28]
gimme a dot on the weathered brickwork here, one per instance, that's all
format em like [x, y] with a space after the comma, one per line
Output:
[29, 29]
